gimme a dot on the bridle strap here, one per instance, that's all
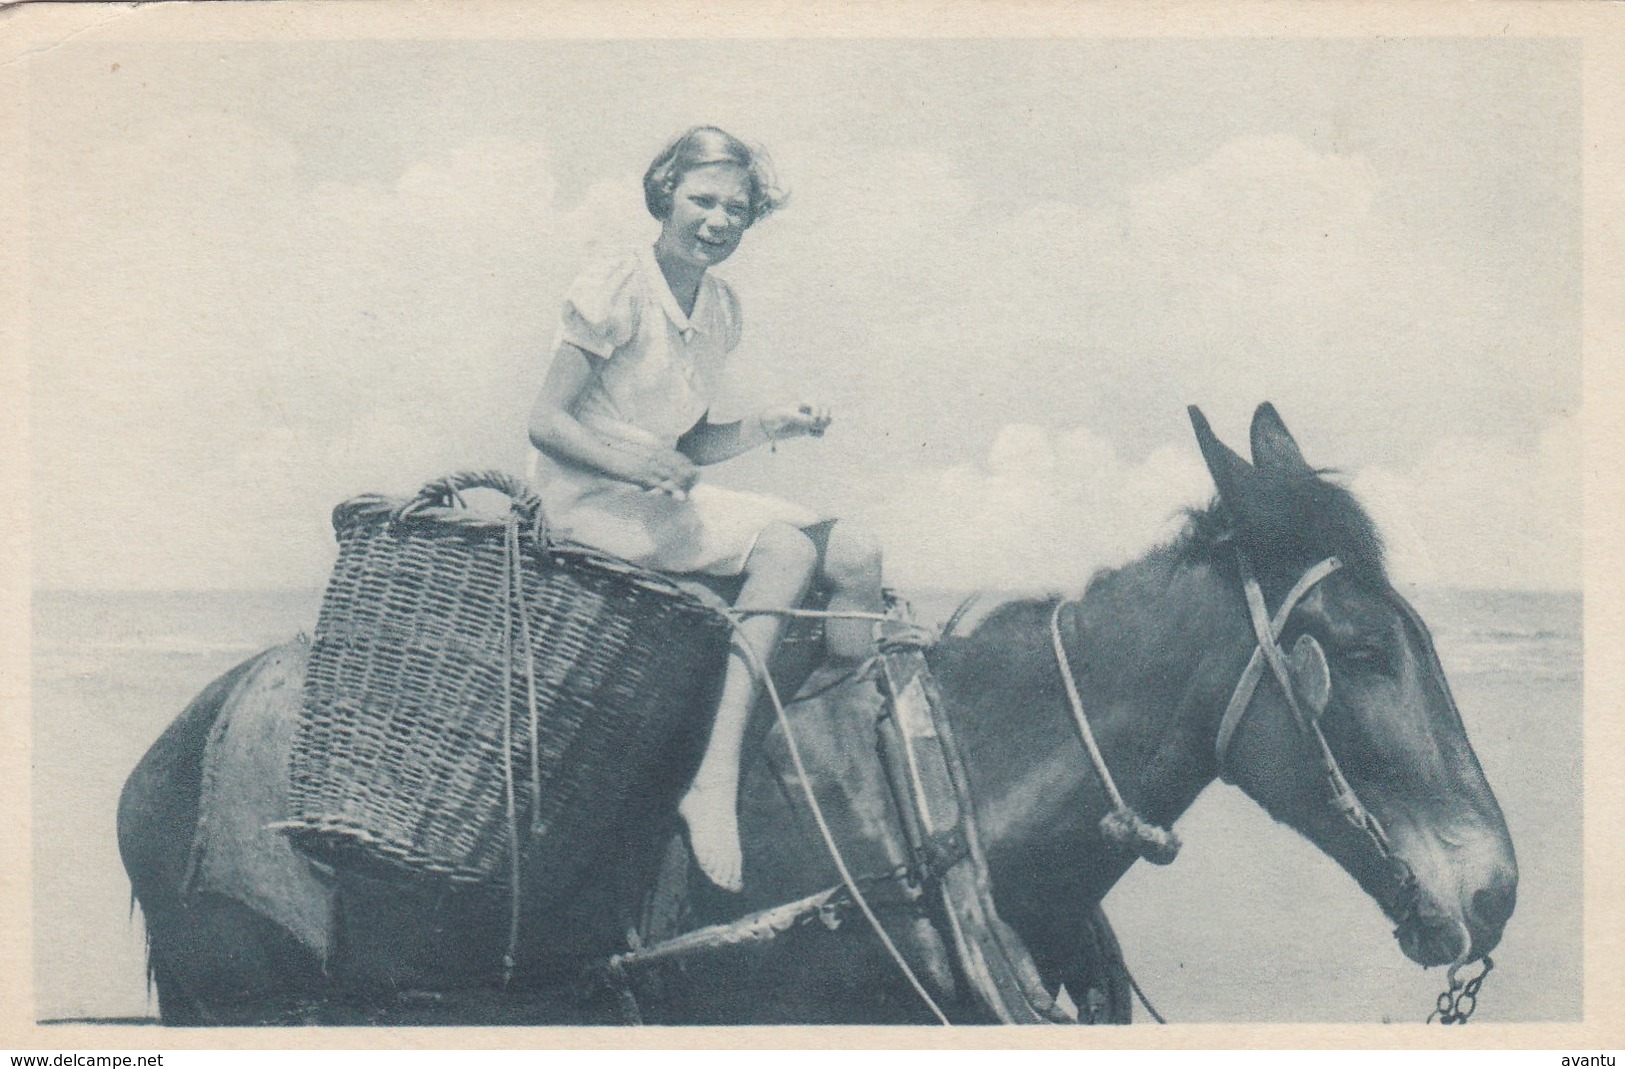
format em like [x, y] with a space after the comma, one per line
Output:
[1268, 634]
[1160, 845]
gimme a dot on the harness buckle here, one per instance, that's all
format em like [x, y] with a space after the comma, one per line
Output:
[941, 851]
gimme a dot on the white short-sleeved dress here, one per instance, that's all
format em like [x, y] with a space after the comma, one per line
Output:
[655, 372]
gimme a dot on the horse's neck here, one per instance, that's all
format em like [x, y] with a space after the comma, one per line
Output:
[1142, 646]
[1157, 640]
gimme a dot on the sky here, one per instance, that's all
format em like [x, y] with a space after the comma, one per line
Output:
[267, 277]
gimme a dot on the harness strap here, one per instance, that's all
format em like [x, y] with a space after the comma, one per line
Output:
[1268, 633]
[1122, 824]
[933, 796]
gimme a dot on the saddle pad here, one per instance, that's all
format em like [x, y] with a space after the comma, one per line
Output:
[245, 789]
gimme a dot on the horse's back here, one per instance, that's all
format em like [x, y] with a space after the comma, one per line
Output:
[158, 806]
[212, 958]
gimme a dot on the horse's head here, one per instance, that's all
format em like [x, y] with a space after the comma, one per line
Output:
[1367, 681]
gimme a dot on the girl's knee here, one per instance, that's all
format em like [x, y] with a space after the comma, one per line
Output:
[852, 557]
[782, 547]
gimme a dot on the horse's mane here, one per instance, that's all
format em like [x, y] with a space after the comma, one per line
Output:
[1307, 519]
[1304, 518]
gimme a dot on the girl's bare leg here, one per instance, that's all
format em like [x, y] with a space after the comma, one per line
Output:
[851, 566]
[777, 575]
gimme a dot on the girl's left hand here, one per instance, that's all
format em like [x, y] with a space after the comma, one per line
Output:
[793, 421]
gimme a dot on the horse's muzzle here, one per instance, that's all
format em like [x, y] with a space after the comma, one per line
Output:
[1488, 911]
[1431, 934]
[1430, 938]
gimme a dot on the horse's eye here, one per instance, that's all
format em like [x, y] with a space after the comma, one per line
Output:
[1363, 658]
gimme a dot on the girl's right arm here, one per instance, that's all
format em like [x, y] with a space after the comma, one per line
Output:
[555, 430]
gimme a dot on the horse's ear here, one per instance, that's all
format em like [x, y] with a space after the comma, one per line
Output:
[1273, 445]
[1231, 474]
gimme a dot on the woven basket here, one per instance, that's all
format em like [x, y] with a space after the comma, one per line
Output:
[417, 716]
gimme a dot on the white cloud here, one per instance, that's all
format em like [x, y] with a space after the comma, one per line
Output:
[224, 338]
[1478, 513]
[1042, 510]
[1045, 510]
[1264, 270]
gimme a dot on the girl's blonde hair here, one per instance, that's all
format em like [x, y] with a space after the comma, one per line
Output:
[700, 146]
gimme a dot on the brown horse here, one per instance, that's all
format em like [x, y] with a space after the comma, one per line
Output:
[1358, 746]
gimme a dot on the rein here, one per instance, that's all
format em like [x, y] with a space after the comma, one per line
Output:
[1122, 824]
[1305, 682]
[759, 667]
[1303, 677]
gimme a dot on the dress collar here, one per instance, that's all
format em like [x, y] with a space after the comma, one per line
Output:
[688, 326]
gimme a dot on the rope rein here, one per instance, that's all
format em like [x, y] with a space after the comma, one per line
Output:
[531, 698]
[759, 667]
[510, 548]
[513, 595]
[1134, 985]
[444, 502]
[1121, 824]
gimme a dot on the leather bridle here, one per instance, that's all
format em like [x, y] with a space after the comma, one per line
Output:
[1267, 633]
[1304, 678]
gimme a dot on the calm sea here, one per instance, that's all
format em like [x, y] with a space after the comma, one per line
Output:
[1251, 923]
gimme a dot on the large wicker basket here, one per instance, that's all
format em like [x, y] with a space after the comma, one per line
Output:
[417, 749]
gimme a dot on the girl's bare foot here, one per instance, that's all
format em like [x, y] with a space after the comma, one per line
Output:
[713, 832]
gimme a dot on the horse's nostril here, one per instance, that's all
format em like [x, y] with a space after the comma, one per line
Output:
[1493, 905]
[1432, 941]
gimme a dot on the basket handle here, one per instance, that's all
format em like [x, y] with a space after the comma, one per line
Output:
[447, 492]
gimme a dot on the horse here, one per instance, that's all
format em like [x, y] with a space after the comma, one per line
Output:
[1354, 741]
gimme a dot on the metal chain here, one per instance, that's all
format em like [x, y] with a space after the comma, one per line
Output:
[1456, 1005]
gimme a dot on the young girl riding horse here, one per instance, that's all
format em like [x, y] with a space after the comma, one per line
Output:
[622, 428]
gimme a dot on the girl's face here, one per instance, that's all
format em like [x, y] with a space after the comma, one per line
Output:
[710, 209]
